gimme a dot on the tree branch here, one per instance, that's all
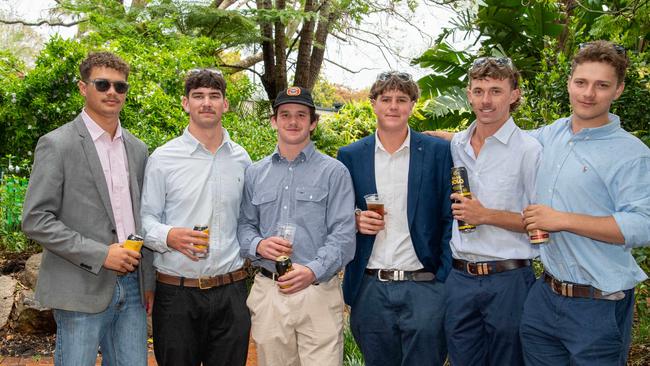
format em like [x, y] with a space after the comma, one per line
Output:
[43, 22]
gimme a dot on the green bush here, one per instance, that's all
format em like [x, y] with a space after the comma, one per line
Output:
[13, 185]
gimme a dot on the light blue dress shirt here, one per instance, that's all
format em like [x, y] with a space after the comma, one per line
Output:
[502, 177]
[314, 192]
[602, 171]
[186, 185]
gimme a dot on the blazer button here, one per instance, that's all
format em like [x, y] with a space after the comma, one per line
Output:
[113, 231]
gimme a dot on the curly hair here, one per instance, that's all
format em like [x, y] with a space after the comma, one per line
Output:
[102, 59]
[605, 52]
[500, 68]
[388, 81]
[205, 78]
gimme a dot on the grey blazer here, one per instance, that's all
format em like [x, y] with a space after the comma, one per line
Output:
[68, 211]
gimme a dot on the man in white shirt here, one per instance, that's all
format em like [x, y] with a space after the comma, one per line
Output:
[196, 181]
[492, 271]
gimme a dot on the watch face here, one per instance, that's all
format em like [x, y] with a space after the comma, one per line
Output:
[357, 211]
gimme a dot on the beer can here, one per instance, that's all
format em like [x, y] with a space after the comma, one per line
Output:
[205, 229]
[460, 185]
[538, 236]
[283, 265]
[133, 242]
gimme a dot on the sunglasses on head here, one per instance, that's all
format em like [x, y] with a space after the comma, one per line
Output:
[617, 47]
[404, 76]
[103, 85]
[499, 61]
[210, 70]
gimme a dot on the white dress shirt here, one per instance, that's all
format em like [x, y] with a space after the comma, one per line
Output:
[186, 185]
[393, 248]
[502, 178]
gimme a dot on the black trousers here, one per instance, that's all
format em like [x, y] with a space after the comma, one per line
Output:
[193, 326]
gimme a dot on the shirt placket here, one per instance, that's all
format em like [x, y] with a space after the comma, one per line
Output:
[287, 202]
[116, 162]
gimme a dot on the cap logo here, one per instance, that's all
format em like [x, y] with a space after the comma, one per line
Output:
[294, 91]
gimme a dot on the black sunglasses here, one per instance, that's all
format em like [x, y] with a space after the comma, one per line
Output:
[404, 76]
[210, 70]
[499, 61]
[103, 85]
[617, 47]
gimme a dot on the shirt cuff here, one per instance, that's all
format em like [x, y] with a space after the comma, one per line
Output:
[156, 238]
[252, 252]
[634, 227]
[318, 269]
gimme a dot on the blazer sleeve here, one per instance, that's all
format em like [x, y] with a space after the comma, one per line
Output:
[42, 206]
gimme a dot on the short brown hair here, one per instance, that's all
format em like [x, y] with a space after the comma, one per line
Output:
[393, 80]
[205, 78]
[102, 59]
[605, 52]
[500, 68]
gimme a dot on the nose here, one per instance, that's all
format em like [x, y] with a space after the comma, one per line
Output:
[590, 91]
[487, 99]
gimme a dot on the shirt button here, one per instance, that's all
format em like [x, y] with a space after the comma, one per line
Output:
[550, 191]
[286, 187]
[571, 143]
[285, 207]
[290, 168]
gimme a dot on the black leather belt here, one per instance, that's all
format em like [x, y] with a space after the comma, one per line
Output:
[385, 275]
[266, 273]
[487, 268]
[570, 289]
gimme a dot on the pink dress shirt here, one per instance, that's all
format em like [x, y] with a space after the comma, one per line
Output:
[112, 156]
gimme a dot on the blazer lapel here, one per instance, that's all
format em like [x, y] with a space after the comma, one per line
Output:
[134, 187]
[368, 168]
[95, 166]
[415, 175]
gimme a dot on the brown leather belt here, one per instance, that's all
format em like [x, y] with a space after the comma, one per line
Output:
[570, 289]
[385, 275]
[203, 283]
[487, 268]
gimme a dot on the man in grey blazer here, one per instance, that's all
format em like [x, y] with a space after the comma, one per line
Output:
[82, 203]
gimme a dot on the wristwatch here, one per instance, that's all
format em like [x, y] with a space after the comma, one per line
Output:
[357, 211]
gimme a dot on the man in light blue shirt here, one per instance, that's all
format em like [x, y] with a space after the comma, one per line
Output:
[196, 179]
[297, 317]
[593, 198]
[492, 271]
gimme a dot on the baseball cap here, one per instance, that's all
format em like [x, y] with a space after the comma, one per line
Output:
[294, 94]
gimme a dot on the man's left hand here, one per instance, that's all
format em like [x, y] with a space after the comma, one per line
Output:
[298, 279]
[469, 210]
[544, 217]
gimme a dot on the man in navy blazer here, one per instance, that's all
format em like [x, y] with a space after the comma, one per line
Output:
[394, 284]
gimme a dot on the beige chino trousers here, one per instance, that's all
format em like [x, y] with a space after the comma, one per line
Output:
[301, 329]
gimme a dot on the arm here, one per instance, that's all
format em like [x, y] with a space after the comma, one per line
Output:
[474, 213]
[446, 218]
[602, 228]
[445, 135]
[248, 225]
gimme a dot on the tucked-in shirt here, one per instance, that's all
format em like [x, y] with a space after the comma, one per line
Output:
[112, 156]
[603, 171]
[502, 177]
[393, 248]
[186, 185]
[314, 192]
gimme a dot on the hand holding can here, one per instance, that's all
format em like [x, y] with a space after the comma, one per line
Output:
[133, 242]
[202, 255]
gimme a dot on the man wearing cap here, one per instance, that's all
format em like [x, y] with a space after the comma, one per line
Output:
[196, 179]
[297, 318]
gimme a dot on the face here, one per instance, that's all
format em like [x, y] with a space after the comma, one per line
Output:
[393, 109]
[205, 107]
[490, 100]
[593, 87]
[292, 122]
[106, 104]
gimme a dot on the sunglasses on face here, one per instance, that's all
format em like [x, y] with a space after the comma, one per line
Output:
[499, 61]
[103, 85]
[210, 70]
[617, 47]
[404, 76]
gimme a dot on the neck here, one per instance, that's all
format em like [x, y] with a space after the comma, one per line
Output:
[108, 124]
[211, 137]
[482, 132]
[290, 151]
[392, 140]
[577, 124]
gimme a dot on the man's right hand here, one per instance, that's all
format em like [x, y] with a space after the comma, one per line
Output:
[120, 259]
[273, 247]
[183, 240]
[370, 222]
[445, 135]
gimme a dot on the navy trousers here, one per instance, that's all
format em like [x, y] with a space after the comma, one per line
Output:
[483, 315]
[558, 330]
[400, 323]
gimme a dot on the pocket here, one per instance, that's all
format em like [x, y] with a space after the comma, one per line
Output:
[264, 201]
[311, 202]
[502, 192]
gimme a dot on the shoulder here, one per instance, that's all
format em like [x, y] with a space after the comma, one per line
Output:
[634, 148]
[525, 142]
[329, 163]
[239, 153]
[134, 140]
[259, 165]
[358, 145]
[430, 142]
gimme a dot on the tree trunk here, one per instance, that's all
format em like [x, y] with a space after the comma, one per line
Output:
[280, 74]
[305, 46]
[267, 50]
[327, 17]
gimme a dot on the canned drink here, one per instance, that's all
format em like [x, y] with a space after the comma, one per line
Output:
[538, 236]
[283, 265]
[133, 242]
[205, 229]
[460, 185]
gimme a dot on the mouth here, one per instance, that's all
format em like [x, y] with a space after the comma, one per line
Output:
[112, 101]
[486, 110]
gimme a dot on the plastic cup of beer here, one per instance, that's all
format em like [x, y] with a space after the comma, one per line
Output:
[375, 203]
[133, 242]
[202, 255]
[287, 231]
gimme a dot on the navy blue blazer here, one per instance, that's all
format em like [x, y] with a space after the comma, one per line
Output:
[428, 206]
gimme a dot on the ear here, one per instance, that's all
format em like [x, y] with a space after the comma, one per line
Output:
[515, 95]
[274, 123]
[313, 125]
[619, 90]
[186, 104]
[83, 87]
[225, 105]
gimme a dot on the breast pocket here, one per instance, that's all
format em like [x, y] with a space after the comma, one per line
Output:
[501, 193]
[311, 203]
[264, 202]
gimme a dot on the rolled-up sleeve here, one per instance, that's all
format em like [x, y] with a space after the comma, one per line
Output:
[632, 201]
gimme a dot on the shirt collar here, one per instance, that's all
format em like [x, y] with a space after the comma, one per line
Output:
[502, 135]
[193, 144]
[405, 145]
[304, 155]
[596, 132]
[95, 130]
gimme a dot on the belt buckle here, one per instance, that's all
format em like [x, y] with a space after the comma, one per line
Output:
[206, 286]
[467, 268]
[379, 276]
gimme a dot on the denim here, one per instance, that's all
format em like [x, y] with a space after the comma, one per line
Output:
[557, 330]
[120, 330]
[400, 323]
